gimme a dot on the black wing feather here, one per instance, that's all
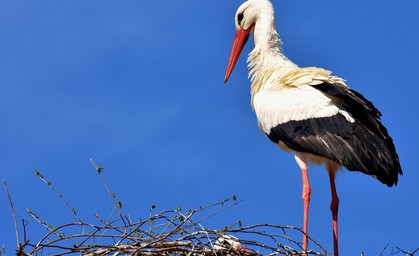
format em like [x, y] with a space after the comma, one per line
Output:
[363, 145]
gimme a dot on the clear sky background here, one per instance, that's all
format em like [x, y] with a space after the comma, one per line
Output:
[138, 87]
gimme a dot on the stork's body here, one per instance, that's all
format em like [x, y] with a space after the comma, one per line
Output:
[309, 112]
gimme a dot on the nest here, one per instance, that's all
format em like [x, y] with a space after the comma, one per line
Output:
[171, 232]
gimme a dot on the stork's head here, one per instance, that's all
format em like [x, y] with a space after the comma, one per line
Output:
[246, 18]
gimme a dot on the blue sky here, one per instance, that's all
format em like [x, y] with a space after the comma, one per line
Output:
[138, 87]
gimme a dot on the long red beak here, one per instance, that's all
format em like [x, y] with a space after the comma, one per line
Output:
[240, 39]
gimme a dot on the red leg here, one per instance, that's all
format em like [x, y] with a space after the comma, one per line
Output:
[334, 205]
[306, 200]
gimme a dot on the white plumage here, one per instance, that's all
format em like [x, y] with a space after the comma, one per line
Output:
[293, 104]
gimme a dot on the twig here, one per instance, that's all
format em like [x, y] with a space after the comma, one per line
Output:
[43, 223]
[24, 224]
[167, 235]
[409, 253]
[13, 211]
[99, 171]
[385, 247]
[49, 183]
[223, 209]
[55, 230]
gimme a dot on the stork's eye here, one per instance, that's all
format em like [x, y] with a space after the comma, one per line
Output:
[239, 18]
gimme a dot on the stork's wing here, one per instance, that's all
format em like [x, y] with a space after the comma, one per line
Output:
[333, 122]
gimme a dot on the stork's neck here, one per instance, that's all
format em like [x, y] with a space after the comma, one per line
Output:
[266, 57]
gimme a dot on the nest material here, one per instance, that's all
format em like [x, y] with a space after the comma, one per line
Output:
[171, 233]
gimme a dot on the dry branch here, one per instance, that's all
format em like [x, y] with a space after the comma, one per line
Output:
[13, 212]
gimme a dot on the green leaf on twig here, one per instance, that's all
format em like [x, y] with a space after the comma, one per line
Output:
[37, 173]
[99, 169]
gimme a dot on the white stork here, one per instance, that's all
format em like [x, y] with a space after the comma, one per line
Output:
[309, 112]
